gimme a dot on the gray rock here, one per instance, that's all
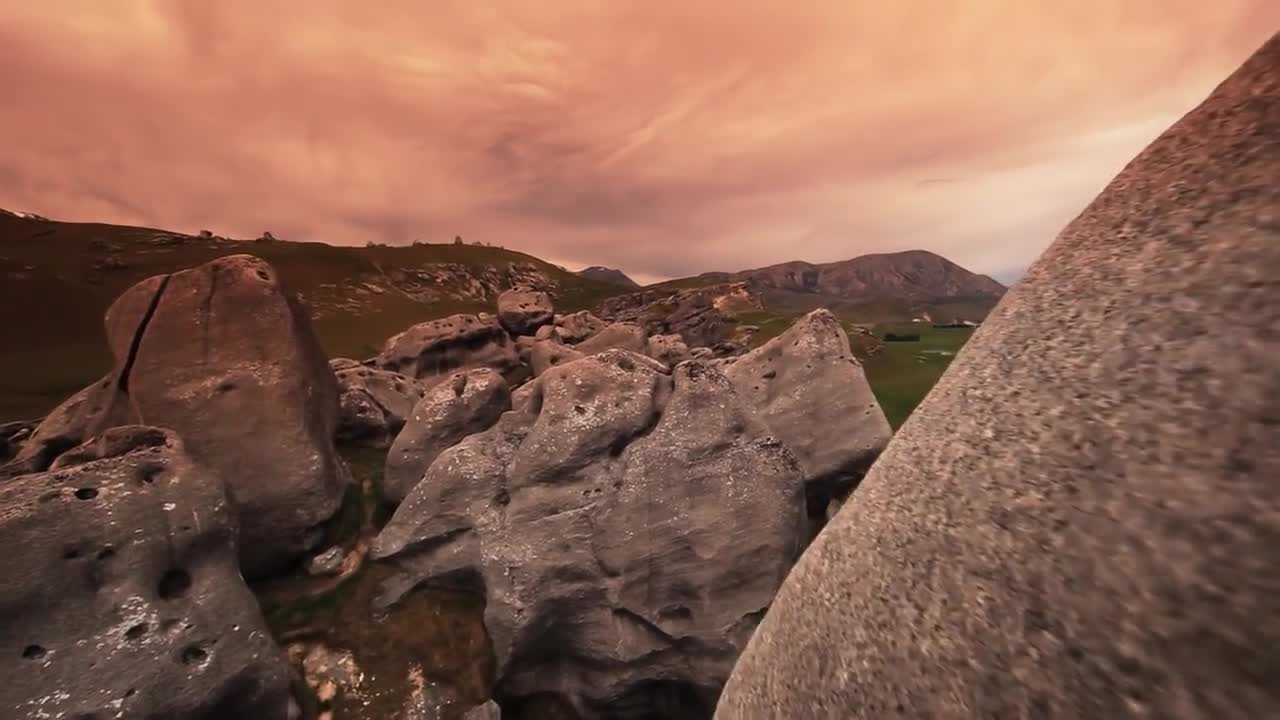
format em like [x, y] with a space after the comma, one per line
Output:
[704, 316]
[668, 349]
[811, 391]
[627, 336]
[1082, 519]
[548, 332]
[328, 562]
[466, 403]
[126, 599]
[373, 403]
[576, 327]
[432, 351]
[546, 354]
[628, 529]
[523, 312]
[223, 355]
[487, 711]
[701, 353]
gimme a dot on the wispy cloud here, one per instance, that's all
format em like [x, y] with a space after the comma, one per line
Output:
[664, 139]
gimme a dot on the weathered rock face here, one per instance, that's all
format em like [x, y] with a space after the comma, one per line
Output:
[466, 403]
[487, 711]
[522, 312]
[668, 349]
[373, 403]
[225, 357]
[627, 336]
[546, 354]
[13, 435]
[628, 528]
[811, 391]
[1087, 501]
[432, 351]
[126, 599]
[576, 327]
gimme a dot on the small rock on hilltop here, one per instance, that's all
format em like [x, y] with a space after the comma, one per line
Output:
[522, 312]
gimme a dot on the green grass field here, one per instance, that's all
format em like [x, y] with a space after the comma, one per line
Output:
[902, 373]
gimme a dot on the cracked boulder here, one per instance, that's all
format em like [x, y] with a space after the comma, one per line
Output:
[523, 312]
[373, 403]
[628, 526]
[813, 394]
[434, 350]
[464, 404]
[627, 336]
[126, 599]
[223, 355]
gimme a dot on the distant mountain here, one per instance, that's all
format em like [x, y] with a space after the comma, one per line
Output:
[608, 275]
[880, 287]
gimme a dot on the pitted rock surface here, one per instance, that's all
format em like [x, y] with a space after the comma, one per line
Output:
[126, 599]
[434, 350]
[523, 312]
[374, 404]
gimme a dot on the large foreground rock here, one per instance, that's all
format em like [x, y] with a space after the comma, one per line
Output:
[466, 403]
[121, 594]
[522, 312]
[811, 391]
[1082, 519]
[628, 527]
[373, 403]
[434, 350]
[223, 355]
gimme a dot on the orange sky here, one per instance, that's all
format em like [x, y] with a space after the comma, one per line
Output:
[662, 139]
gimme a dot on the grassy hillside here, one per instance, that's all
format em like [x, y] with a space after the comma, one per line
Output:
[56, 280]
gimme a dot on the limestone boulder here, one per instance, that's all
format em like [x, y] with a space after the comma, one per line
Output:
[813, 394]
[126, 598]
[670, 350]
[434, 350]
[546, 354]
[464, 404]
[628, 526]
[373, 403]
[224, 355]
[1081, 520]
[523, 312]
[576, 327]
[627, 336]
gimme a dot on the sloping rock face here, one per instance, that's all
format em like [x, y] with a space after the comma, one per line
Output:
[627, 526]
[522, 312]
[225, 357]
[1082, 519]
[434, 350]
[627, 336]
[546, 354]
[811, 391]
[702, 316]
[13, 435]
[373, 404]
[126, 599]
[576, 327]
[466, 403]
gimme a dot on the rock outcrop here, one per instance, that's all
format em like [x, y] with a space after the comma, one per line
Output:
[1082, 518]
[576, 327]
[811, 391]
[125, 599]
[434, 350]
[628, 528]
[627, 336]
[13, 435]
[546, 354]
[373, 404]
[522, 312]
[464, 404]
[704, 317]
[223, 355]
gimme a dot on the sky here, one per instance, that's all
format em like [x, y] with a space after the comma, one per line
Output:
[662, 138]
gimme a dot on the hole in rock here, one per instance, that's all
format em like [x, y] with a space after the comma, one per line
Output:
[502, 498]
[87, 493]
[150, 473]
[33, 652]
[174, 584]
[71, 553]
[263, 275]
[136, 631]
[193, 655]
[106, 553]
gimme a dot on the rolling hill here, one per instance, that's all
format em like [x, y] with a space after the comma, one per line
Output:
[609, 275]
